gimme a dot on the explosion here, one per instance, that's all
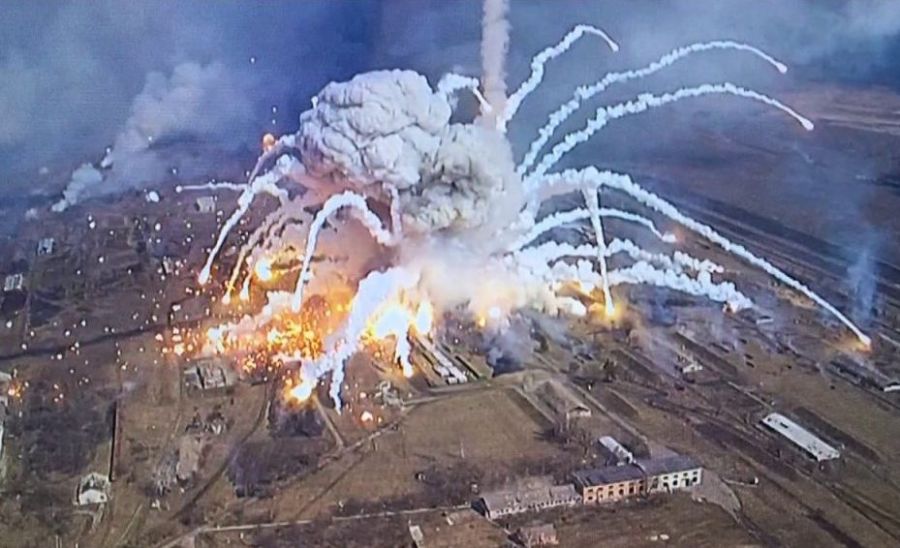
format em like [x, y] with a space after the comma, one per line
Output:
[457, 225]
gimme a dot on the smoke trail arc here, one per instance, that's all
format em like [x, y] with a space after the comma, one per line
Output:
[583, 93]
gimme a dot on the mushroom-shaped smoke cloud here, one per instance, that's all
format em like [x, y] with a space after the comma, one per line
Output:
[389, 131]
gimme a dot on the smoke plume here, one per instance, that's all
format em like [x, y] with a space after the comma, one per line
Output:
[494, 45]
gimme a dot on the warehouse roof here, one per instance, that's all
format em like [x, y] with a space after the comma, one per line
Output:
[640, 468]
[801, 437]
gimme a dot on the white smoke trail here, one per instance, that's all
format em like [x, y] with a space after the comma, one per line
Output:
[451, 83]
[645, 102]
[252, 242]
[262, 239]
[644, 273]
[552, 251]
[265, 183]
[537, 69]
[561, 218]
[212, 185]
[591, 197]
[347, 199]
[283, 143]
[268, 182]
[494, 44]
[396, 323]
[374, 290]
[583, 93]
[625, 184]
[699, 265]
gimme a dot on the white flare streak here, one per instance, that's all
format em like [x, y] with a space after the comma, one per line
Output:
[625, 184]
[268, 182]
[583, 93]
[347, 199]
[212, 185]
[552, 251]
[494, 45]
[374, 290]
[646, 274]
[253, 242]
[537, 69]
[647, 101]
[591, 197]
[560, 218]
[451, 83]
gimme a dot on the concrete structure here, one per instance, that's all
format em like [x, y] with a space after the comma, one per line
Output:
[616, 452]
[209, 374]
[562, 401]
[528, 498]
[13, 282]
[415, 533]
[537, 535]
[689, 367]
[643, 476]
[205, 204]
[801, 437]
[46, 246]
[92, 489]
[476, 365]
[438, 362]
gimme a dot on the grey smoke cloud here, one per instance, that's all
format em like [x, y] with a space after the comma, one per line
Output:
[207, 103]
[73, 89]
[392, 129]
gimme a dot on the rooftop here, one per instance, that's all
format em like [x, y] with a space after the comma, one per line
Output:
[529, 496]
[640, 468]
[801, 437]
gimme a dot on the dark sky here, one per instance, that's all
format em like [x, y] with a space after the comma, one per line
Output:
[75, 76]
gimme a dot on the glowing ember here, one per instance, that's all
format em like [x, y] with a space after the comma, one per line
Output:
[268, 142]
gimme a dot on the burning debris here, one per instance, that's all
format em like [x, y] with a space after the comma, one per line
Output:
[454, 222]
